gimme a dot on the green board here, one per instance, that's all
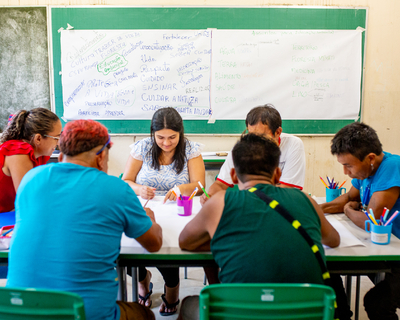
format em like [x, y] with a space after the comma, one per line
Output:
[203, 18]
[24, 62]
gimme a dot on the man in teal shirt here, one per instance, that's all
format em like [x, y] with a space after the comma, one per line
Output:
[69, 220]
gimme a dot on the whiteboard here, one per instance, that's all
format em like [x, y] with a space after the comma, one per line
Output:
[129, 74]
[219, 74]
[306, 74]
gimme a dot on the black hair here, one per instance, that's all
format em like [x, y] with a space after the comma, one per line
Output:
[266, 114]
[254, 154]
[358, 139]
[168, 118]
[25, 124]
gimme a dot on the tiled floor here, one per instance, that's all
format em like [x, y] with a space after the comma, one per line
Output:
[194, 283]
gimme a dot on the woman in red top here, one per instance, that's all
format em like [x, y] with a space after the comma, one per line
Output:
[27, 142]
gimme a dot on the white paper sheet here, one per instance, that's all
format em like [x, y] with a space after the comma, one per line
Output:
[347, 239]
[167, 216]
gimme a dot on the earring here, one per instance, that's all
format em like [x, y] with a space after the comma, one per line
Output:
[372, 167]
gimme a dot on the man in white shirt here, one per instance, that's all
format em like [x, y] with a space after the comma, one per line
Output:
[266, 120]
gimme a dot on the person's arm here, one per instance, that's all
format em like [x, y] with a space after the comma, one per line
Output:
[223, 181]
[131, 171]
[379, 200]
[151, 240]
[197, 234]
[17, 166]
[197, 172]
[329, 236]
[337, 205]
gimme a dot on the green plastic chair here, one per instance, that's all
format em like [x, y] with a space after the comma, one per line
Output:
[267, 301]
[28, 303]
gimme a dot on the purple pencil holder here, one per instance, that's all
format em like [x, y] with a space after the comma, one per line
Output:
[184, 206]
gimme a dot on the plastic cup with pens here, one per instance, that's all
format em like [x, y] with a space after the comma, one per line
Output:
[185, 206]
[380, 234]
[380, 230]
[332, 189]
[185, 203]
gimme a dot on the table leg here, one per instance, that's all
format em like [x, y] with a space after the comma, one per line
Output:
[347, 288]
[122, 295]
[357, 304]
[135, 293]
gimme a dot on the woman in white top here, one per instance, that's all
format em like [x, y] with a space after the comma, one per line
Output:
[155, 166]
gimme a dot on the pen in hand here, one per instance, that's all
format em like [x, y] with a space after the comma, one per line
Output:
[202, 188]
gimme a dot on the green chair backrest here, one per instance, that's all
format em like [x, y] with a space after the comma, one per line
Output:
[28, 303]
[267, 301]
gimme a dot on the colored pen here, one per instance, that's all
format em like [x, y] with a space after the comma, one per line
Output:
[146, 203]
[177, 192]
[329, 182]
[324, 183]
[202, 188]
[392, 217]
[7, 232]
[372, 219]
[371, 215]
[342, 184]
[386, 214]
[366, 213]
[193, 193]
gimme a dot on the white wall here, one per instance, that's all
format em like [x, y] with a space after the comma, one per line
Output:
[381, 86]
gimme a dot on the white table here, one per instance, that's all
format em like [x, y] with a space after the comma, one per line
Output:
[356, 260]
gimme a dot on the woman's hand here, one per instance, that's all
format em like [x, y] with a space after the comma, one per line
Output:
[170, 196]
[147, 192]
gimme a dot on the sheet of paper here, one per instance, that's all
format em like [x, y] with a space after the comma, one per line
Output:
[167, 217]
[347, 239]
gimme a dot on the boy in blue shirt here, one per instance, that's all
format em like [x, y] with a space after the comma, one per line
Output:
[376, 185]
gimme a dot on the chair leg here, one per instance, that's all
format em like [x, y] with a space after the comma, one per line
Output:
[205, 279]
[185, 272]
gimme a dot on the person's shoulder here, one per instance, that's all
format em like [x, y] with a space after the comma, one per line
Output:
[141, 148]
[193, 149]
[13, 147]
[144, 143]
[391, 158]
[290, 139]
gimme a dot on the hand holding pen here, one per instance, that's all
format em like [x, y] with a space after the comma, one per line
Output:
[173, 194]
[147, 192]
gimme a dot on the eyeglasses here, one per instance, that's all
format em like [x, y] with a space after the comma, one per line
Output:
[107, 143]
[55, 138]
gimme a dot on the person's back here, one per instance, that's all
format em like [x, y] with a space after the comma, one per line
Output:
[253, 243]
[69, 222]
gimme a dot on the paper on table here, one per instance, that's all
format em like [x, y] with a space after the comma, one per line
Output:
[167, 217]
[347, 239]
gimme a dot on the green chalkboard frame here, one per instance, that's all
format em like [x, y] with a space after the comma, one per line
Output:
[84, 18]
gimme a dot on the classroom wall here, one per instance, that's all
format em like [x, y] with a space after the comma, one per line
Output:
[381, 91]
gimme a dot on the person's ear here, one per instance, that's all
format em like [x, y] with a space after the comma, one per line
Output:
[371, 156]
[276, 175]
[234, 177]
[278, 133]
[60, 157]
[100, 160]
[37, 139]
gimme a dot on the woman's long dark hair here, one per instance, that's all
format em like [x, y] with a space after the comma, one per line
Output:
[168, 118]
